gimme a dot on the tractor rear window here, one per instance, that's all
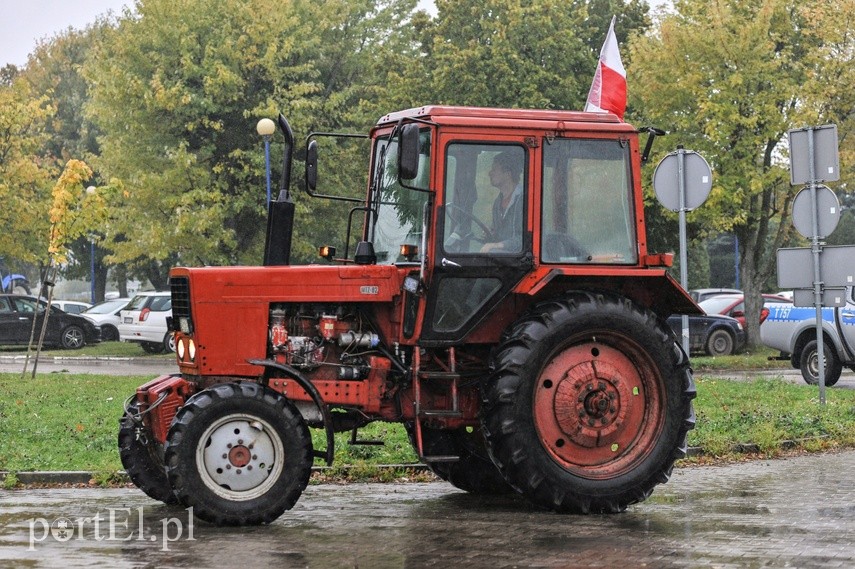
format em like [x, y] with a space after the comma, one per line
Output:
[588, 212]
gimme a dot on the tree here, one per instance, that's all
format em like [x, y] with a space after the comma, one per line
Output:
[517, 54]
[53, 71]
[25, 173]
[727, 77]
[177, 90]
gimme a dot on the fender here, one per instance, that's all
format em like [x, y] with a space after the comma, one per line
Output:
[313, 393]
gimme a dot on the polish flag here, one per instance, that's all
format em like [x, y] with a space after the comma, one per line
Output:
[608, 90]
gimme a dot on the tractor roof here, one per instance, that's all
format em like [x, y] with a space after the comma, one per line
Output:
[519, 118]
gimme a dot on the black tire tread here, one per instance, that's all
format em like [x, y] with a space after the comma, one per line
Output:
[192, 492]
[508, 447]
[142, 461]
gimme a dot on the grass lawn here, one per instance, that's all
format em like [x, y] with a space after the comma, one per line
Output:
[70, 422]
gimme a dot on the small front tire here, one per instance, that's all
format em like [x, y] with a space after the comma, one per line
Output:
[141, 460]
[239, 454]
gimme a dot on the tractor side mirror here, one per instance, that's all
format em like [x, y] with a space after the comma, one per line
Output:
[312, 167]
[408, 152]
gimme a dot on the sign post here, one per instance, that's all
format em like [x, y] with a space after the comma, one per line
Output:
[816, 211]
[682, 182]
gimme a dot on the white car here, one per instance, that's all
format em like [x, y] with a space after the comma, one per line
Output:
[71, 306]
[106, 315]
[143, 321]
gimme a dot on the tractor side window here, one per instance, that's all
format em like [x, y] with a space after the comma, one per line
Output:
[588, 213]
[484, 199]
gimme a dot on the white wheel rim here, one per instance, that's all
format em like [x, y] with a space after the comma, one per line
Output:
[240, 457]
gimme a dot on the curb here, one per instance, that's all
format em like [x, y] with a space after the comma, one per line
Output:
[86, 477]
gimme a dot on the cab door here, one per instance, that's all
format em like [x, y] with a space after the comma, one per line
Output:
[483, 244]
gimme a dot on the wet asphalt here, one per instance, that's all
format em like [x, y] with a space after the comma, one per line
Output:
[797, 512]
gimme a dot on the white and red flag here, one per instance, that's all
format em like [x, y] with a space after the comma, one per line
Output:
[608, 90]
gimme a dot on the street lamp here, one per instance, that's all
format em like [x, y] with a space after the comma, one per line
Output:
[266, 128]
[90, 191]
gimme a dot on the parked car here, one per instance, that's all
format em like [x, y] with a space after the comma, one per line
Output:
[143, 320]
[792, 331]
[64, 330]
[71, 306]
[733, 305]
[699, 294]
[713, 334]
[106, 315]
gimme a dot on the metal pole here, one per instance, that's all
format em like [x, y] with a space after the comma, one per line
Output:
[817, 283]
[92, 270]
[684, 270]
[267, 164]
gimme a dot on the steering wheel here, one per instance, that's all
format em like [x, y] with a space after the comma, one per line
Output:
[459, 215]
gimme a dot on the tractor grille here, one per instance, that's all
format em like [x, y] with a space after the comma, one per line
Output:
[180, 287]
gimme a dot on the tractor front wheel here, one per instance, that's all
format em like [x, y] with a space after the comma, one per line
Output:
[141, 459]
[589, 404]
[239, 454]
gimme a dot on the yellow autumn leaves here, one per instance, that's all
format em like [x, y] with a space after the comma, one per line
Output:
[75, 211]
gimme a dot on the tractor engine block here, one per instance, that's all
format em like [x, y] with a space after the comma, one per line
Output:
[332, 341]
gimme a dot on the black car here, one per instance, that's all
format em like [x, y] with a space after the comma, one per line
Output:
[713, 334]
[66, 330]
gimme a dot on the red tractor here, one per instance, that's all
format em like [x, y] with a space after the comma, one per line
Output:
[499, 301]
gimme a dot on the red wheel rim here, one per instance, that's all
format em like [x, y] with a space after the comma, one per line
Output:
[598, 406]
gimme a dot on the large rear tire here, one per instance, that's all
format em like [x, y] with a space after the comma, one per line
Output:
[474, 472]
[239, 454]
[589, 404]
[140, 458]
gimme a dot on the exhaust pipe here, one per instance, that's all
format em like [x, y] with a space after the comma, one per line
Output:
[280, 212]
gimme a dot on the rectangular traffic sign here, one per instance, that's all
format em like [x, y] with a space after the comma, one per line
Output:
[836, 267]
[830, 297]
[825, 156]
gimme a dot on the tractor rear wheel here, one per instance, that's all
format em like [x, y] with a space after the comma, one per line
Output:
[589, 404]
[474, 472]
[239, 454]
[140, 458]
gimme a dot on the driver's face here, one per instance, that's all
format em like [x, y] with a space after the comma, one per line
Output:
[498, 174]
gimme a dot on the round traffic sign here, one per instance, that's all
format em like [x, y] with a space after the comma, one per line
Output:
[697, 180]
[827, 212]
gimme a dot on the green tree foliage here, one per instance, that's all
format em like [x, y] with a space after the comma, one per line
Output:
[727, 77]
[25, 172]
[177, 91]
[518, 53]
[53, 70]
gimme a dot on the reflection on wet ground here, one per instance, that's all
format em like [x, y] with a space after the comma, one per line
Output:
[798, 512]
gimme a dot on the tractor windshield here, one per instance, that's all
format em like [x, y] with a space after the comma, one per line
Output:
[397, 212]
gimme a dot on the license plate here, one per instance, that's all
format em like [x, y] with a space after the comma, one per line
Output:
[129, 319]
